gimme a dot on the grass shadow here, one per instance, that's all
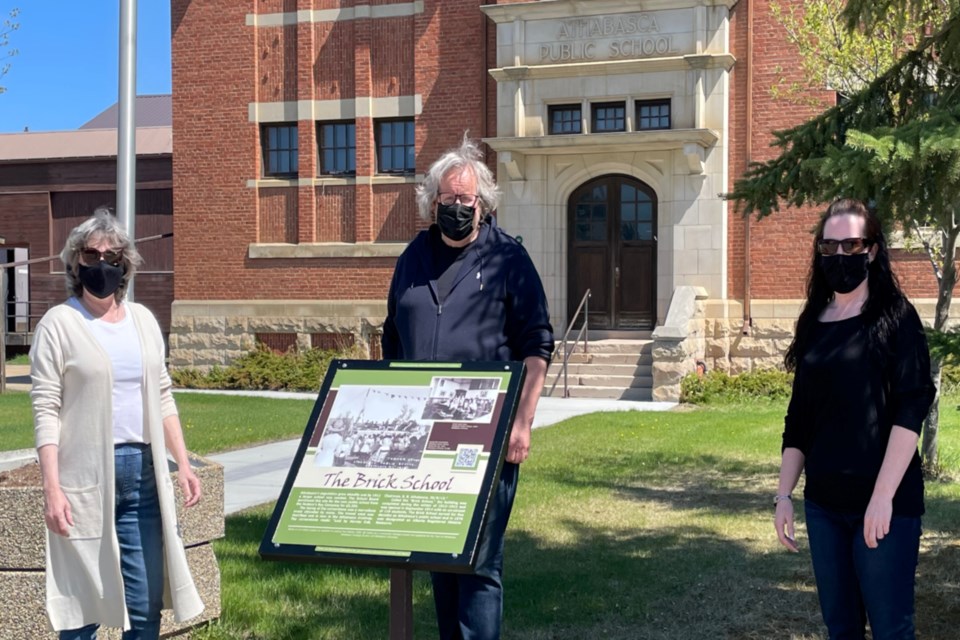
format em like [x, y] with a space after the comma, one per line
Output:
[309, 601]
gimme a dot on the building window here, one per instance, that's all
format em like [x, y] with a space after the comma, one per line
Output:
[564, 118]
[338, 148]
[395, 146]
[280, 150]
[609, 116]
[653, 114]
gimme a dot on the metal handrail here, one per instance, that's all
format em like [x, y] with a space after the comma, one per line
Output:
[569, 350]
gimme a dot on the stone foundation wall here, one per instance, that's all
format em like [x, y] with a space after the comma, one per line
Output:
[769, 336]
[728, 350]
[679, 342]
[203, 334]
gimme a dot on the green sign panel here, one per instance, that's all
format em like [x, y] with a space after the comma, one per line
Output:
[397, 464]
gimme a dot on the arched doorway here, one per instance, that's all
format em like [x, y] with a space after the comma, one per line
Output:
[613, 252]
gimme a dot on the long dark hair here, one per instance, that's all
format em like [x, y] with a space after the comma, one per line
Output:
[885, 304]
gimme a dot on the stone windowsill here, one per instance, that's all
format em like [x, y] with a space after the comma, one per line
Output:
[660, 139]
[334, 181]
[592, 68]
[275, 251]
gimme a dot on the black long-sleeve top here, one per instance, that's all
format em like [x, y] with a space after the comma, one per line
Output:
[846, 401]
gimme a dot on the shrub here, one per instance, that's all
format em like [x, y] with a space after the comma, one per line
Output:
[949, 378]
[717, 387]
[264, 369]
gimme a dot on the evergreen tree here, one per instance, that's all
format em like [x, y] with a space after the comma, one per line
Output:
[894, 144]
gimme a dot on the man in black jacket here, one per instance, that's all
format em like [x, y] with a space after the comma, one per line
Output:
[464, 290]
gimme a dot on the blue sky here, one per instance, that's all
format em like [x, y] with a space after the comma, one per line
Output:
[67, 71]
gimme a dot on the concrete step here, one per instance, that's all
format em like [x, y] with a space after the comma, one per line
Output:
[619, 382]
[605, 392]
[607, 358]
[612, 346]
[600, 369]
[592, 379]
[606, 334]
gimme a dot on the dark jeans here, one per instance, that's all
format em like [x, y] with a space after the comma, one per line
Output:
[140, 536]
[470, 607]
[856, 583]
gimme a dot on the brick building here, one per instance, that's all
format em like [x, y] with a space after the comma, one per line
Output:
[301, 128]
[53, 180]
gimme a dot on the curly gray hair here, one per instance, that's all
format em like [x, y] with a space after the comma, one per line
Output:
[102, 224]
[466, 156]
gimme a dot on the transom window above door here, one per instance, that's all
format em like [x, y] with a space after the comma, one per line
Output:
[621, 116]
[565, 118]
[652, 114]
[609, 116]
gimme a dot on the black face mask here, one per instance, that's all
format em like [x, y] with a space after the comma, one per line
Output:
[101, 280]
[455, 220]
[845, 273]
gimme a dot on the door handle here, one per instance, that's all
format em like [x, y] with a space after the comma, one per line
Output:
[616, 277]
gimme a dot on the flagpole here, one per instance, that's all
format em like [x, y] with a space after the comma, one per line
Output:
[126, 123]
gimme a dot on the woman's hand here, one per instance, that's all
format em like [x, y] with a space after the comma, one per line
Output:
[783, 521]
[876, 521]
[56, 512]
[901, 448]
[189, 485]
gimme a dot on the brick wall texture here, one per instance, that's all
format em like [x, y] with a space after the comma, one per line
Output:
[221, 65]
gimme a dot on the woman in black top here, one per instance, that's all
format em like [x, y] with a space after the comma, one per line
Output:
[861, 391]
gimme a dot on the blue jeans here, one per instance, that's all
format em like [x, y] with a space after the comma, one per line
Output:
[470, 606]
[856, 583]
[140, 536]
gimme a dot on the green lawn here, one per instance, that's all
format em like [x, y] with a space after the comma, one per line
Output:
[211, 423]
[626, 526]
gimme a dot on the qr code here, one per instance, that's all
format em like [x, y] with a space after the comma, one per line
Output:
[467, 457]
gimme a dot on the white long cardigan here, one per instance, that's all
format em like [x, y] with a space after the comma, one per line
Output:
[72, 405]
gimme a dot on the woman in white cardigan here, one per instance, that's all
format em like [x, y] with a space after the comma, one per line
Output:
[103, 414]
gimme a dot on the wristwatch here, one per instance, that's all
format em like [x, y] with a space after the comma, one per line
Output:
[787, 496]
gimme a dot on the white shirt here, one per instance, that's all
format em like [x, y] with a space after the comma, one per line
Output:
[121, 343]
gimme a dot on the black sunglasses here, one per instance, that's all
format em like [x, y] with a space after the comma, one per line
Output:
[90, 256]
[851, 246]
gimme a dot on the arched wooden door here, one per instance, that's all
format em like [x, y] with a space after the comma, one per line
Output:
[613, 252]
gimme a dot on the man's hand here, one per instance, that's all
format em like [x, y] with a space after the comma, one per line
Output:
[519, 447]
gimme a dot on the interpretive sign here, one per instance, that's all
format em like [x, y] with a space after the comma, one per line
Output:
[397, 464]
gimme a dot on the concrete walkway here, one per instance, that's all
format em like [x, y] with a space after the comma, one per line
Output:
[255, 475]
[18, 377]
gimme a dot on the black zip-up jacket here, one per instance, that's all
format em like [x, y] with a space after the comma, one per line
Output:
[496, 308]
